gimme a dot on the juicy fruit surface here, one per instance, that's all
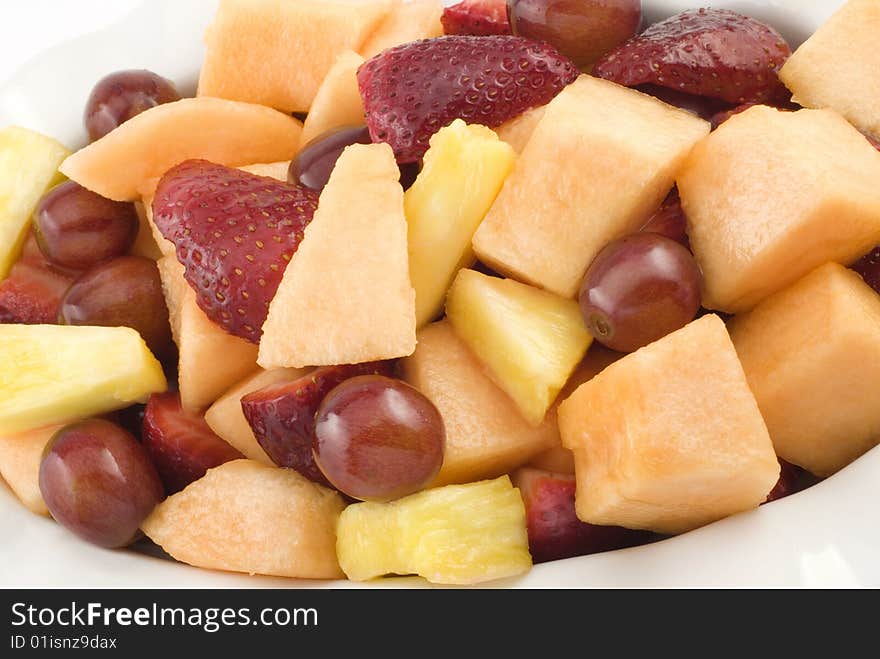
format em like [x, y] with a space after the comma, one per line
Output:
[313, 165]
[408, 20]
[77, 229]
[20, 458]
[32, 293]
[584, 30]
[836, 66]
[458, 534]
[98, 482]
[707, 52]
[52, 374]
[530, 340]
[378, 439]
[352, 265]
[486, 435]
[125, 164]
[493, 79]
[181, 444]
[282, 415]
[771, 195]
[28, 167]
[638, 290]
[122, 95]
[235, 233]
[669, 220]
[250, 518]
[463, 172]
[811, 354]
[338, 100]
[481, 18]
[669, 438]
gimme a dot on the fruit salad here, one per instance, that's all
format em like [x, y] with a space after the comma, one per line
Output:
[419, 288]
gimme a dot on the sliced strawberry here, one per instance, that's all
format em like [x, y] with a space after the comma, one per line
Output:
[703, 107]
[413, 90]
[669, 220]
[707, 52]
[32, 293]
[182, 445]
[283, 416]
[481, 18]
[235, 232]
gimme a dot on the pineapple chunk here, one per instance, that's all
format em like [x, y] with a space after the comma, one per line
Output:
[458, 534]
[463, 173]
[530, 340]
[53, 374]
[28, 167]
[20, 458]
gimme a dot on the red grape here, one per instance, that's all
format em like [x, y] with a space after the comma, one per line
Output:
[584, 30]
[98, 482]
[869, 268]
[638, 290]
[123, 95]
[378, 439]
[76, 228]
[314, 164]
[124, 292]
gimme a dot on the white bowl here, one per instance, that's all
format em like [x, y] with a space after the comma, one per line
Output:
[827, 536]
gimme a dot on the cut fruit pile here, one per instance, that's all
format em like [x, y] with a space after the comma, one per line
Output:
[522, 285]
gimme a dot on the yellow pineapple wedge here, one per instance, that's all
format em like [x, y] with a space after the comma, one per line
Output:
[458, 535]
[28, 167]
[53, 374]
[463, 173]
[530, 340]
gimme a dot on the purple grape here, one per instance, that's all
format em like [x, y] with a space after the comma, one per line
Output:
[123, 95]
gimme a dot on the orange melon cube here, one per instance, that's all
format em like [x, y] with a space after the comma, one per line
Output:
[771, 195]
[837, 66]
[408, 20]
[126, 164]
[669, 438]
[811, 353]
[518, 131]
[486, 436]
[20, 458]
[598, 163]
[338, 100]
[278, 53]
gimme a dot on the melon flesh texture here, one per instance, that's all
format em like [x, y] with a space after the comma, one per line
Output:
[278, 53]
[598, 164]
[125, 164]
[53, 374]
[837, 66]
[486, 436]
[20, 458]
[210, 360]
[338, 100]
[28, 167]
[812, 356]
[145, 244]
[669, 438]
[518, 131]
[246, 517]
[276, 170]
[771, 195]
[226, 418]
[407, 21]
[346, 296]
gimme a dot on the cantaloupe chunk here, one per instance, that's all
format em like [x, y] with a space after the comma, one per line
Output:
[246, 517]
[276, 170]
[278, 53]
[406, 21]
[20, 458]
[486, 436]
[837, 66]
[338, 100]
[346, 296]
[518, 131]
[52, 374]
[210, 360]
[145, 243]
[599, 162]
[227, 419]
[28, 167]
[125, 164]
[669, 438]
[811, 353]
[771, 195]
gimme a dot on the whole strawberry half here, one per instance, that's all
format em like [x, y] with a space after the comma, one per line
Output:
[707, 52]
[480, 18]
[282, 416]
[181, 444]
[413, 90]
[235, 232]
